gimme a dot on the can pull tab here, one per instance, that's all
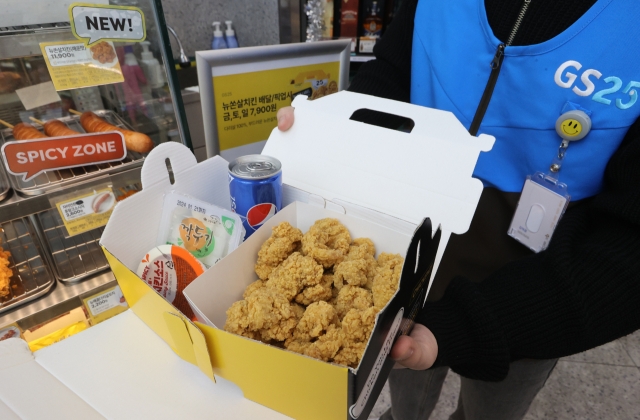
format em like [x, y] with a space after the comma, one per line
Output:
[571, 126]
[259, 166]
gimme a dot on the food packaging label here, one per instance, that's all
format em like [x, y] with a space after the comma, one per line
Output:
[168, 270]
[87, 211]
[73, 65]
[208, 232]
[105, 304]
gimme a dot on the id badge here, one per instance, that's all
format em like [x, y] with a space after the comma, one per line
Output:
[542, 204]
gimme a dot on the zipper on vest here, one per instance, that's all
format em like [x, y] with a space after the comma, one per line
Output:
[496, 65]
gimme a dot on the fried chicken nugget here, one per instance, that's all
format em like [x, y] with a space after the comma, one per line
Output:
[351, 297]
[5, 273]
[314, 322]
[271, 314]
[357, 324]
[350, 354]
[283, 241]
[238, 320]
[317, 334]
[321, 291]
[359, 266]
[385, 282]
[327, 241]
[296, 272]
[356, 329]
[258, 284]
[327, 345]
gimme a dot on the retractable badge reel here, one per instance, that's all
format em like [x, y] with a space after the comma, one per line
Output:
[544, 198]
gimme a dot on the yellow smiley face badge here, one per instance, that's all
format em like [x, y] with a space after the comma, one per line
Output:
[573, 125]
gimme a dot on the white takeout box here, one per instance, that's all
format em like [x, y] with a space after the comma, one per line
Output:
[380, 183]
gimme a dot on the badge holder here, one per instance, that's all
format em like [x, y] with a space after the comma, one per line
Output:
[544, 198]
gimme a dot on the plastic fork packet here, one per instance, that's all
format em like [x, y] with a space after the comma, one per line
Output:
[207, 231]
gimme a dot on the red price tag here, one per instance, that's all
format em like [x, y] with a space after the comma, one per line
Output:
[29, 158]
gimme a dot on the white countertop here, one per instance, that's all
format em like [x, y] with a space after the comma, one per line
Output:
[122, 370]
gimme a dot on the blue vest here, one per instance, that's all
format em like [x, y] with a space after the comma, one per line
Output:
[593, 65]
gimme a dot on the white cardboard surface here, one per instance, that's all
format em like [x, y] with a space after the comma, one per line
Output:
[425, 173]
[133, 226]
[28, 391]
[120, 369]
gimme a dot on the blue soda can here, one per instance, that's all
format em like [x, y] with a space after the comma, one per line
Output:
[255, 185]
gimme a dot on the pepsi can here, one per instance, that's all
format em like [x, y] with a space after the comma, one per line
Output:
[255, 185]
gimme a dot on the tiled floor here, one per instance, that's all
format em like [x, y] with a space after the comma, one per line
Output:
[602, 383]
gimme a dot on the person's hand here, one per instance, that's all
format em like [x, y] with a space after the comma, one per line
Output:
[285, 118]
[417, 351]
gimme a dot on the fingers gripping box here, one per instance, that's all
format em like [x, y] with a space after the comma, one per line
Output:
[406, 191]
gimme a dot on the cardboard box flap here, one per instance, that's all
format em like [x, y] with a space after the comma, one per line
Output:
[425, 173]
[134, 223]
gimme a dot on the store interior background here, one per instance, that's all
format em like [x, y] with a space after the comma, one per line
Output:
[603, 383]
[255, 21]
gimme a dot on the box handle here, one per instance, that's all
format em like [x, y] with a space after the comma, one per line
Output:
[155, 170]
[428, 122]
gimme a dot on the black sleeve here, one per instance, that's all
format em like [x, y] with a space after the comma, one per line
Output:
[389, 75]
[582, 292]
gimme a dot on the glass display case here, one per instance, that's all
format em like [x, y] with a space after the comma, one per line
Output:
[50, 70]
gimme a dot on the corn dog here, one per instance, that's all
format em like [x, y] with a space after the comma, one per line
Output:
[24, 131]
[55, 128]
[135, 142]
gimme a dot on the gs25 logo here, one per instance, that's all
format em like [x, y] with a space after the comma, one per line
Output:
[565, 79]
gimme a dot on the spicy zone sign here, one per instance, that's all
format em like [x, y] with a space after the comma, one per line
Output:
[29, 158]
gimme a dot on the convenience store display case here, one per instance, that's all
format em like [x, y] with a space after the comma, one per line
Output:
[53, 271]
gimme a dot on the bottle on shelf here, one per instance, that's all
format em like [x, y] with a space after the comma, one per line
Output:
[373, 22]
[230, 35]
[218, 42]
[151, 67]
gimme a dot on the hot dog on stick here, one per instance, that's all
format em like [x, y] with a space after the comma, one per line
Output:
[135, 142]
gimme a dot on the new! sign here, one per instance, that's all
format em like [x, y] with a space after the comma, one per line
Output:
[29, 158]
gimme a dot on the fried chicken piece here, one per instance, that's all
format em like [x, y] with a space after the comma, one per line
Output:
[364, 246]
[296, 272]
[316, 320]
[359, 267]
[357, 324]
[5, 273]
[283, 242]
[350, 354]
[356, 329]
[327, 345]
[321, 291]
[238, 320]
[327, 241]
[271, 314]
[258, 284]
[351, 297]
[317, 334]
[385, 282]
[297, 345]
